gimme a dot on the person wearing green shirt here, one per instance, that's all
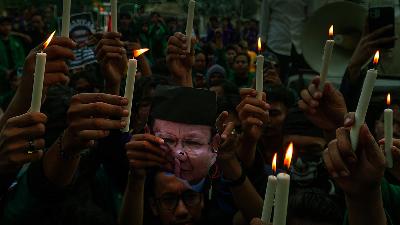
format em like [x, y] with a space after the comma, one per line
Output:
[241, 76]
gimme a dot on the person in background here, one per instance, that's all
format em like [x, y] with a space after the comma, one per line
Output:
[215, 75]
[50, 20]
[12, 56]
[200, 63]
[37, 30]
[242, 76]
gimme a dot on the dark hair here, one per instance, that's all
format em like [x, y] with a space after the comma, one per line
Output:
[243, 54]
[280, 93]
[228, 103]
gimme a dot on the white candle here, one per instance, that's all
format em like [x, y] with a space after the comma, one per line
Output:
[388, 125]
[114, 15]
[362, 106]
[40, 67]
[269, 199]
[129, 88]
[281, 199]
[326, 59]
[66, 18]
[189, 24]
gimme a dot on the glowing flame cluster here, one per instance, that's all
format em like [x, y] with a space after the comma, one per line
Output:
[274, 163]
[259, 44]
[137, 53]
[48, 40]
[331, 32]
[388, 99]
[376, 58]
[288, 156]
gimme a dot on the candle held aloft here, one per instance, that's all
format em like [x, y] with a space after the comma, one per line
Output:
[129, 88]
[388, 128]
[282, 191]
[66, 18]
[259, 72]
[114, 15]
[326, 58]
[363, 103]
[189, 24]
[269, 195]
[38, 78]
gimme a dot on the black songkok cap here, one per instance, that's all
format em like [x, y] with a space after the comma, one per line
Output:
[184, 105]
[297, 123]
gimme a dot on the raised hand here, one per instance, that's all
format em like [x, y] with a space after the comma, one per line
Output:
[325, 109]
[91, 117]
[144, 151]
[228, 139]
[356, 173]
[179, 61]
[111, 55]
[21, 141]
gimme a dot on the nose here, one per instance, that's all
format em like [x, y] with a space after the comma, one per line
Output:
[181, 212]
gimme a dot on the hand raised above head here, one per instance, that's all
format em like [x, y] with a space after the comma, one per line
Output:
[325, 109]
[21, 141]
[90, 117]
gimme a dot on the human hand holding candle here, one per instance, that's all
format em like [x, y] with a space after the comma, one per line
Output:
[269, 197]
[40, 67]
[388, 127]
[363, 102]
[282, 191]
[326, 58]
[130, 85]
[259, 71]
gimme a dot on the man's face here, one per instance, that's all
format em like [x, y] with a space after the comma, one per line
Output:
[200, 62]
[277, 116]
[241, 65]
[188, 148]
[230, 56]
[5, 29]
[175, 202]
[216, 78]
[379, 124]
[37, 22]
[307, 157]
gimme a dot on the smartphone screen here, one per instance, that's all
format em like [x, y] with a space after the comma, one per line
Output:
[379, 17]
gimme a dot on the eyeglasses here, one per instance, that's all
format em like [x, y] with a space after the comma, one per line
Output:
[186, 143]
[169, 202]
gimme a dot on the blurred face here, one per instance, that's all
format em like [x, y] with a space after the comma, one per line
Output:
[200, 81]
[216, 78]
[277, 116]
[5, 29]
[125, 21]
[188, 148]
[379, 124]
[175, 202]
[241, 65]
[200, 62]
[37, 22]
[230, 56]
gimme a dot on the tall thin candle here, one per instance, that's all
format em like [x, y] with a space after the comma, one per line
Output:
[114, 15]
[269, 195]
[66, 18]
[326, 58]
[363, 102]
[189, 24]
[388, 127]
[259, 72]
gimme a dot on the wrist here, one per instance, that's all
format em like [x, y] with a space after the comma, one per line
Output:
[231, 169]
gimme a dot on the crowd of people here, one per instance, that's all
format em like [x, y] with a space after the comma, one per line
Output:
[200, 144]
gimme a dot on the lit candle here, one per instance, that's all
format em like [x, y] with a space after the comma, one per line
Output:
[189, 24]
[282, 191]
[130, 84]
[363, 103]
[269, 195]
[388, 125]
[326, 58]
[40, 67]
[114, 15]
[66, 18]
[259, 72]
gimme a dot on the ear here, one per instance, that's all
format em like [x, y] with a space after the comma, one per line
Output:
[153, 206]
[215, 142]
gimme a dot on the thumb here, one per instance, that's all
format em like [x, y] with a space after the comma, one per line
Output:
[370, 147]
[330, 92]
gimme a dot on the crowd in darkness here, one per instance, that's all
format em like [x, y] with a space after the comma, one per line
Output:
[69, 164]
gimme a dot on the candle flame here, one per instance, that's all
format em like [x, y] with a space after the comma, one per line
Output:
[288, 156]
[274, 163]
[331, 32]
[388, 99]
[137, 53]
[376, 58]
[259, 44]
[48, 40]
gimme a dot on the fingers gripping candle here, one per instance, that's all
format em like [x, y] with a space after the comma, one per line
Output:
[363, 103]
[130, 85]
[40, 67]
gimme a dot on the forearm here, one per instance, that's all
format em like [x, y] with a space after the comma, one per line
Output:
[366, 210]
[133, 202]
[245, 195]
[58, 170]
[247, 152]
